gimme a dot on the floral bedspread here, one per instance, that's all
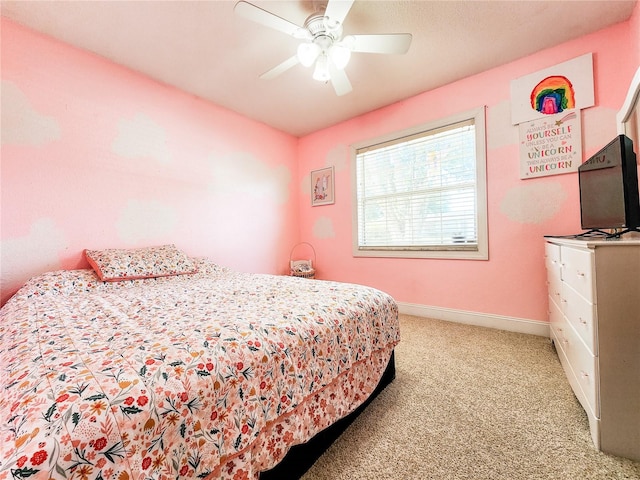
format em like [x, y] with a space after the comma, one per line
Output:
[208, 375]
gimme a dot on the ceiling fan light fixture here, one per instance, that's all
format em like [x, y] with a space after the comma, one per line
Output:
[349, 42]
[321, 72]
[340, 55]
[307, 53]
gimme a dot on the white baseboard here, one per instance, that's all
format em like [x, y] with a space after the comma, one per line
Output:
[511, 324]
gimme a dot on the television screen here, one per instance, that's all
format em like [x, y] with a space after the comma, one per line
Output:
[609, 187]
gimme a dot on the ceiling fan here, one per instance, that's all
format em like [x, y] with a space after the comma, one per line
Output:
[322, 42]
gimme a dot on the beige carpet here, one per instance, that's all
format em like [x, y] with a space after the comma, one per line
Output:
[471, 403]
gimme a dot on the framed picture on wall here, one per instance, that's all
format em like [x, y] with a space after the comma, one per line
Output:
[322, 188]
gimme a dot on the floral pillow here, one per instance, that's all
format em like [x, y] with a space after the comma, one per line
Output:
[116, 264]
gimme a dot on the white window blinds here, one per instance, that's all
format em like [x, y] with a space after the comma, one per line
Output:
[419, 192]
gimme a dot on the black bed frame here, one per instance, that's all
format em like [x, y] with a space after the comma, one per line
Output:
[301, 457]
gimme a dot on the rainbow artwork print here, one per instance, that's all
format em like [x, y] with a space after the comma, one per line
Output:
[553, 95]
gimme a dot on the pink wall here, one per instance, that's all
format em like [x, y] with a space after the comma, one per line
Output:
[634, 26]
[97, 156]
[512, 282]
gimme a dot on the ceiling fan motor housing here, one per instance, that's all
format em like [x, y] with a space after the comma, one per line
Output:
[319, 26]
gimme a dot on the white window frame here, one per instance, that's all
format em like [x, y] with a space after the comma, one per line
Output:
[447, 252]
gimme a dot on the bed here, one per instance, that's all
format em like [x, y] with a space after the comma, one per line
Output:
[201, 373]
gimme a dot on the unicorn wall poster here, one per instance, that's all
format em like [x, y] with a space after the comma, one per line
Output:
[551, 145]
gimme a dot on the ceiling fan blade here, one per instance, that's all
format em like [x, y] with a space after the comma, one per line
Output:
[268, 19]
[381, 43]
[278, 69]
[337, 10]
[339, 80]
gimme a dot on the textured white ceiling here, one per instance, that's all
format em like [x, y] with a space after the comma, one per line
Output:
[202, 47]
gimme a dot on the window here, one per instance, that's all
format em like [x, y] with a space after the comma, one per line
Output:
[422, 192]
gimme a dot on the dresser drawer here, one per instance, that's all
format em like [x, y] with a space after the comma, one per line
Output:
[577, 270]
[583, 363]
[581, 314]
[554, 273]
[556, 317]
[555, 291]
[594, 421]
[551, 253]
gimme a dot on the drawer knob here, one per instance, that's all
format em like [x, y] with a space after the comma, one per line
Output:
[580, 274]
[584, 375]
[582, 321]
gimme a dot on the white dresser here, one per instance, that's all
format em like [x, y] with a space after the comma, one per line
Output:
[594, 314]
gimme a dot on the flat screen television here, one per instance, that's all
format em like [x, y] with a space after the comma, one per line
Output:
[609, 188]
